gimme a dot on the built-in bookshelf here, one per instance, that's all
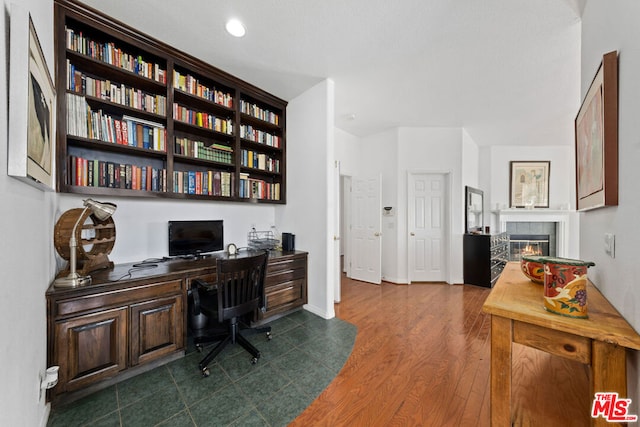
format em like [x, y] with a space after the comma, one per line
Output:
[137, 117]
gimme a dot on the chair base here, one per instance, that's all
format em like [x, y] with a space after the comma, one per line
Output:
[232, 335]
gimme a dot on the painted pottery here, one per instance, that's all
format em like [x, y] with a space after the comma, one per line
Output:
[565, 286]
[533, 268]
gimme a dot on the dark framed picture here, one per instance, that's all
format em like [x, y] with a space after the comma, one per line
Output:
[596, 139]
[32, 109]
[529, 184]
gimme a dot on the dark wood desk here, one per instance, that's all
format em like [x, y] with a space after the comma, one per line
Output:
[600, 341]
[133, 317]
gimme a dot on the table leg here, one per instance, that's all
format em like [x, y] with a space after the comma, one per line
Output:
[608, 372]
[501, 337]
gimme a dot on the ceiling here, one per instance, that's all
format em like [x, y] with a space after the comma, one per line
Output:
[508, 71]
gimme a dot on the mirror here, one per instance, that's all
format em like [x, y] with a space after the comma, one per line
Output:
[474, 203]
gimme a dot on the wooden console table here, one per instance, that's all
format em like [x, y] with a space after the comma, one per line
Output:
[133, 317]
[518, 316]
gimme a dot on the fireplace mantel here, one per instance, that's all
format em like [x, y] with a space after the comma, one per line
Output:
[561, 217]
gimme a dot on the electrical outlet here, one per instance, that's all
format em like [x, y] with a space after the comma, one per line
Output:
[610, 244]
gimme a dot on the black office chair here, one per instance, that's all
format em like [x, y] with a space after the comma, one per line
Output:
[237, 293]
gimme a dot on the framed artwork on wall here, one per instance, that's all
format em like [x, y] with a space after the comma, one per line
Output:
[529, 184]
[596, 139]
[32, 101]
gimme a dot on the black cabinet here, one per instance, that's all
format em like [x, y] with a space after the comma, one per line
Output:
[484, 257]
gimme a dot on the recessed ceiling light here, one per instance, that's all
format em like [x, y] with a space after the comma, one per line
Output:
[235, 28]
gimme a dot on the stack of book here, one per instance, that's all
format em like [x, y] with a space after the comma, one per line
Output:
[189, 84]
[254, 110]
[249, 133]
[251, 188]
[113, 55]
[84, 122]
[198, 149]
[210, 183]
[107, 90]
[97, 173]
[202, 119]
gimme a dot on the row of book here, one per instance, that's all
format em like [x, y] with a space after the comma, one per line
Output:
[209, 183]
[258, 112]
[113, 55]
[98, 173]
[256, 160]
[199, 150]
[202, 119]
[251, 188]
[79, 82]
[84, 122]
[188, 83]
[249, 133]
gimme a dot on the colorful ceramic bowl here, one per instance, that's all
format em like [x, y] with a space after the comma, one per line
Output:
[565, 286]
[533, 268]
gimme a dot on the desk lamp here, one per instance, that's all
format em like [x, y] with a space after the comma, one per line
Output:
[101, 211]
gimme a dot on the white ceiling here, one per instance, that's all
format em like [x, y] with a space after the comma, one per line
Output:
[508, 71]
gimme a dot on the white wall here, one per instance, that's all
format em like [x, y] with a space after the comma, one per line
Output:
[561, 182]
[436, 150]
[470, 161]
[392, 155]
[26, 259]
[347, 149]
[311, 194]
[561, 174]
[141, 224]
[378, 157]
[611, 26]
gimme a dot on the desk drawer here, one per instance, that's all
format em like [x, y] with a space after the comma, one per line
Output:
[284, 295]
[115, 298]
[283, 276]
[273, 267]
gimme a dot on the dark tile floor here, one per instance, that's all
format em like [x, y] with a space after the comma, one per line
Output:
[303, 357]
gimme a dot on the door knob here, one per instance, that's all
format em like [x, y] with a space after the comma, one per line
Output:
[412, 234]
[377, 234]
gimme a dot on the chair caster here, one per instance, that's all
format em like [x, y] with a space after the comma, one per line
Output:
[269, 336]
[254, 360]
[205, 372]
[199, 348]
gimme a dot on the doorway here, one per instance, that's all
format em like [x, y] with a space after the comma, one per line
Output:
[428, 203]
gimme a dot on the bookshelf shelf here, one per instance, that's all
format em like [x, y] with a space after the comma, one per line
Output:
[127, 101]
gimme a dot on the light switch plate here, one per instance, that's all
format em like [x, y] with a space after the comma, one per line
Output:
[610, 244]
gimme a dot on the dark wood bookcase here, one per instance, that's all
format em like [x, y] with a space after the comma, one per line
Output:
[136, 117]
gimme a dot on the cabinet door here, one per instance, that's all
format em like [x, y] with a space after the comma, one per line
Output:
[156, 328]
[90, 348]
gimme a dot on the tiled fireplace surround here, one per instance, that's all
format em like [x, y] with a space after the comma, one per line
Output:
[536, 228]
[538, 221]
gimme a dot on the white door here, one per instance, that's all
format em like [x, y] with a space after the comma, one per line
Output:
[427, 226]
[366, 223]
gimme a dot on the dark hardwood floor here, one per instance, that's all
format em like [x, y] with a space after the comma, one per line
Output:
[422, 357]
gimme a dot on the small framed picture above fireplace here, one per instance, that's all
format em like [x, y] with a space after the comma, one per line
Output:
[529, 184]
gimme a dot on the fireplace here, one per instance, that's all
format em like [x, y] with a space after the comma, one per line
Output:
[532, 238]
[556, 223]
[527, 244]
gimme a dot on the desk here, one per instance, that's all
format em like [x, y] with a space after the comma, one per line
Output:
[518, 316]
[132, 319]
